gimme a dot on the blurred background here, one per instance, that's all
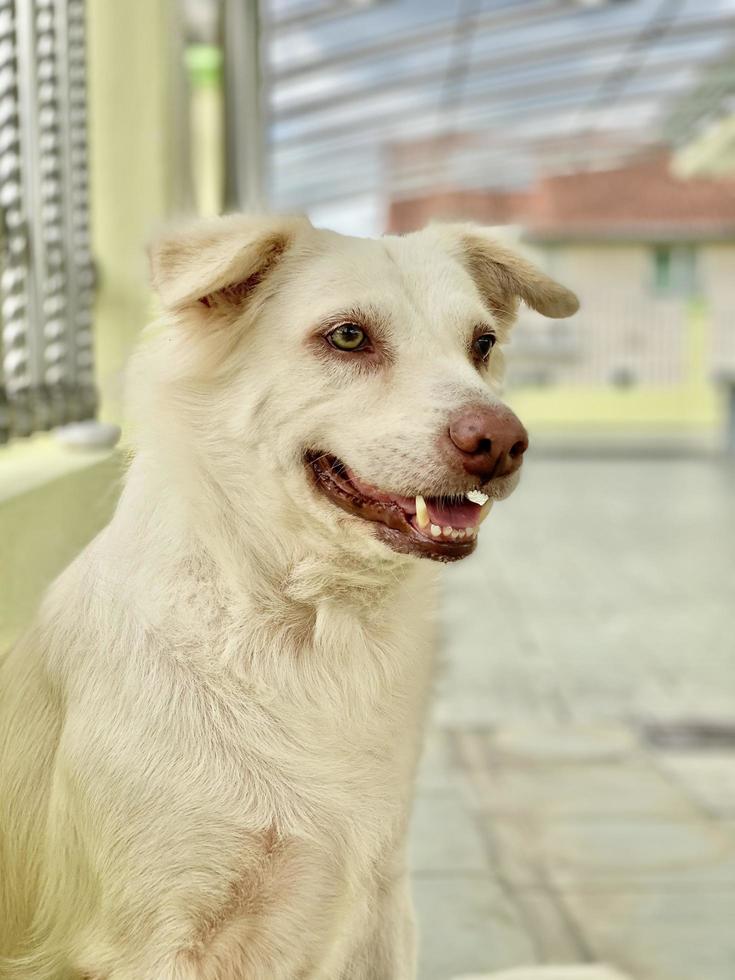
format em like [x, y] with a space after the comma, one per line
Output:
[577, 798]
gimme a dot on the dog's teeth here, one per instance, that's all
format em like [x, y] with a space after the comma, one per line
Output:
[448, 531]
[435, 530]
[460, 533]
[422, 514]
[471, 532]
[485, 510]
[455, 534]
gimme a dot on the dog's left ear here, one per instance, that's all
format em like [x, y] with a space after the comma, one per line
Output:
[502, 276]
[219, 262]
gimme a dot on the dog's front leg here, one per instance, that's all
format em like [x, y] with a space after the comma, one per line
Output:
[389, 951]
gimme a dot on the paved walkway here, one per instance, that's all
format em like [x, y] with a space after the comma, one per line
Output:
[577, 797]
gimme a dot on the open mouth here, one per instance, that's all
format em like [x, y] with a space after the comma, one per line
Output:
[441, 528]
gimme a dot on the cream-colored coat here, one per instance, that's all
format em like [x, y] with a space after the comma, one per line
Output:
[208, 738]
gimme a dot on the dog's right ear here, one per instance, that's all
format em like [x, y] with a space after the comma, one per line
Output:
[502, 275]
[217, 263]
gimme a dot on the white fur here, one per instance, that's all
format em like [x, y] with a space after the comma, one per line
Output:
[208, 737]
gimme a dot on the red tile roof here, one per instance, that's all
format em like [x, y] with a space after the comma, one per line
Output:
[643, 200]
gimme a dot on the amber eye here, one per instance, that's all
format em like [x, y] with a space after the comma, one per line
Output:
[483, 344]
[348, 337]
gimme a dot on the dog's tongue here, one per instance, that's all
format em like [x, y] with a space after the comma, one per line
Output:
[462, 514]
[466, 513]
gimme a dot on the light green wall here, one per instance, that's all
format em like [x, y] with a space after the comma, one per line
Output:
[133, 170]
[52, 501]
[43, 526]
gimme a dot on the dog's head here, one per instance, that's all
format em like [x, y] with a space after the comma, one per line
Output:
[352, 383]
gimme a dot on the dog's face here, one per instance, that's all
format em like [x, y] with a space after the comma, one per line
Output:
[357, 380]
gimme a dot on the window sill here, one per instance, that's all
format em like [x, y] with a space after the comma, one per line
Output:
[26, 464]
[53, 500]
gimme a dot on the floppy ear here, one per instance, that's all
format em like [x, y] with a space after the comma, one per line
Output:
[503, 276]
[221, 260]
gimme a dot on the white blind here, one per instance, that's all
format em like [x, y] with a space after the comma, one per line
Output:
[47, 273]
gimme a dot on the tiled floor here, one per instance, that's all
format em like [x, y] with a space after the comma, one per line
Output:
[577, 797]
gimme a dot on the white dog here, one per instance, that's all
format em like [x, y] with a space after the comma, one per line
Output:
[208, 739]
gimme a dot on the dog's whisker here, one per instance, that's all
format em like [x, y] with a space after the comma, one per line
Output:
[316, 459]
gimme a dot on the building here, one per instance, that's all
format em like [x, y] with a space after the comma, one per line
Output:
[652, 257]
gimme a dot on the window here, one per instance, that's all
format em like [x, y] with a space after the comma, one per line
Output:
[675, 269]
[47, 277]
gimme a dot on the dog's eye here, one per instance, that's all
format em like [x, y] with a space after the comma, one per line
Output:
[483, 344]
[348, 337]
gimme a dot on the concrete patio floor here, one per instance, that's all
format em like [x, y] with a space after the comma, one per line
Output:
[576, 801]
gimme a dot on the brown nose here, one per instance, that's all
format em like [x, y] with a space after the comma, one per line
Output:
[489, 441]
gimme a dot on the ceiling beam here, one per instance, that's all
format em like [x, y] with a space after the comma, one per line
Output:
[519, 14]
[315, 13]
[505, 99]
[326, 168]
[343, 185]
[509, 159]
[511, 57]
[475, 111]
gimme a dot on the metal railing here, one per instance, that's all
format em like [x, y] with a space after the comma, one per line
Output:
[47, 279]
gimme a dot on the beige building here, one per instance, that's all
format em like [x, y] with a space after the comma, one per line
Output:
[644, 249]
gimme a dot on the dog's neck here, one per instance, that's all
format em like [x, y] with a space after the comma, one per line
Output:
[247, 556]
[316, 625]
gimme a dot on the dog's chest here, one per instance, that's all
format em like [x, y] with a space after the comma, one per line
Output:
[344, 764]
[331, 785]
[336, 727]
